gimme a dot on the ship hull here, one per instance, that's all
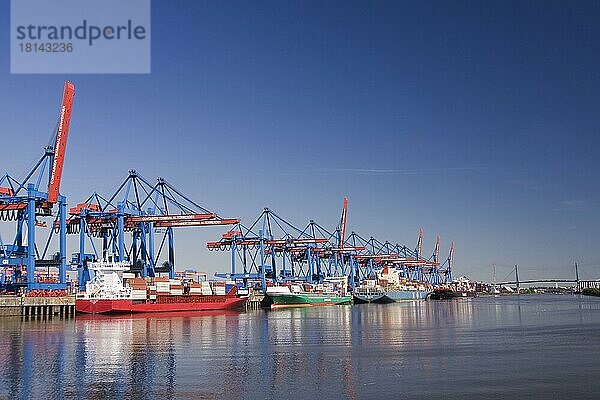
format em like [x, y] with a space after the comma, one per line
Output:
[304, 300]
[447, 294]
[402, 295]
[390, 296]
[362, 298]
[168, 304]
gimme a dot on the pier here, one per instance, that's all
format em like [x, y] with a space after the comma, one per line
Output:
[37, 306]
[254, 302]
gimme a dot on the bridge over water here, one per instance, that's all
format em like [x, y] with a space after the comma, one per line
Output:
[519, 282]
[538, 281]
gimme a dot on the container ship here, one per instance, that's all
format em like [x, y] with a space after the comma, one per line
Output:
[332, 292]
[448, 293]
[461, 288]
[115, 290]
[389, 287]
[371, 292]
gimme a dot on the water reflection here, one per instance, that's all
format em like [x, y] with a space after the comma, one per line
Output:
[412, 349]
[126, 356]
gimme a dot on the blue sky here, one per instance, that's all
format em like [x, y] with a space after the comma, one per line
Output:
[475, 121]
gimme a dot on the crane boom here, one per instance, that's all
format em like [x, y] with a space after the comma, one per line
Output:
[343, 222]
[451, 258]
[61, 142]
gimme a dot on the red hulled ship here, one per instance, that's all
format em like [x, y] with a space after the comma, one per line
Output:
[114, 290]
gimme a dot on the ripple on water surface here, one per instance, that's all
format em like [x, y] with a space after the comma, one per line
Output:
[525, 347]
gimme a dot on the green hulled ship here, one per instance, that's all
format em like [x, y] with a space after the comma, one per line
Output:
[283, 297]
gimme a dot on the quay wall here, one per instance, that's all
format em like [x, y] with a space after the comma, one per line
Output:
[37, 306]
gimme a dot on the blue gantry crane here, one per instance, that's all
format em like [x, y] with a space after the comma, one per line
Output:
[272, 249]
[125, 225]
[409, 262]
[27, 203]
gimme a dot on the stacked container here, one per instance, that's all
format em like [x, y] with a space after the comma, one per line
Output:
[205, 288]
[219, 288]
[162, 286]
[152, 290]
[138, 288]
[175, 287]
[195, 288]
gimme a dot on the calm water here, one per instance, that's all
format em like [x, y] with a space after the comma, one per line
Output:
[506, 347]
